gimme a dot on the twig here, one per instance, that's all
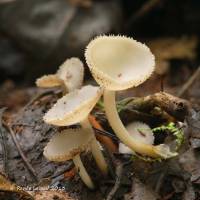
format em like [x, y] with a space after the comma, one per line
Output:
[160, 181]
[22, 124]
[106, 133]
[162, 78]
[67, 168]
[3, 143]
[38, 96]
[61, 175]
[26, 162]
[146, 8]
[119, 170]
[189, 83]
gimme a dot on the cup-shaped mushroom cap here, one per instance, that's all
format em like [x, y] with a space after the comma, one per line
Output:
[47, 81]
[67, 144]
[118, 62]
[140, 132]
[71, 72]
[73, 107]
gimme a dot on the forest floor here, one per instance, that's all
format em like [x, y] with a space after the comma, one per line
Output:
[26, 174]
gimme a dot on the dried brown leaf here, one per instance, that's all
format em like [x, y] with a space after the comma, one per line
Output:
[7, 186]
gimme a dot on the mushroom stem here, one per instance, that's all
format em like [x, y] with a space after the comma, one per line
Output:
[96, 152]
[124, 136]
[82, 171]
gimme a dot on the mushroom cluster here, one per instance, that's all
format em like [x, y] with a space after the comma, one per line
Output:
[74, 107]
[116, 63]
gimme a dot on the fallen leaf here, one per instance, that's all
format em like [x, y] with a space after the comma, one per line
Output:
[70, 174]
[7, 186]
[166, 49]
[107, 141]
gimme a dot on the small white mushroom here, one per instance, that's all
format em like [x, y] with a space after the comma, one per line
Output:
[69, 76]
[71, 72]
[75, 108]
[140, 132]
[68, 145]
[119, 63]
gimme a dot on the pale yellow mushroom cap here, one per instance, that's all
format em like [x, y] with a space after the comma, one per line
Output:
[119, 62]
[140, 132]
[67, 144]
[47, 81]
[73, 107]
[71, 72]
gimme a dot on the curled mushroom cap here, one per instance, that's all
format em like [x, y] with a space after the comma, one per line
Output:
[73, 107]
[119, 62]
[140, 132]
[70, 75]
[165, 151]
[71, 72]
[67, 144]
[47, 81]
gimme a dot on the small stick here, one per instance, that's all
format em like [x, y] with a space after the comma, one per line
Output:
[26, 162]
[67, 168]
[38, 96]
[106, 133]
[119, 170]
[3, 144]
[188, 84]
[162, 83]
[146, 8]
[160, 181]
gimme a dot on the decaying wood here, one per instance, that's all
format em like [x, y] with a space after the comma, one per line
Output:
[154, 109]
[174, 106]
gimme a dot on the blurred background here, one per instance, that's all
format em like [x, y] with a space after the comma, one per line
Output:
[36, 36]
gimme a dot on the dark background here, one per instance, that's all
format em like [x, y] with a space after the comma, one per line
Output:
[36, 36]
